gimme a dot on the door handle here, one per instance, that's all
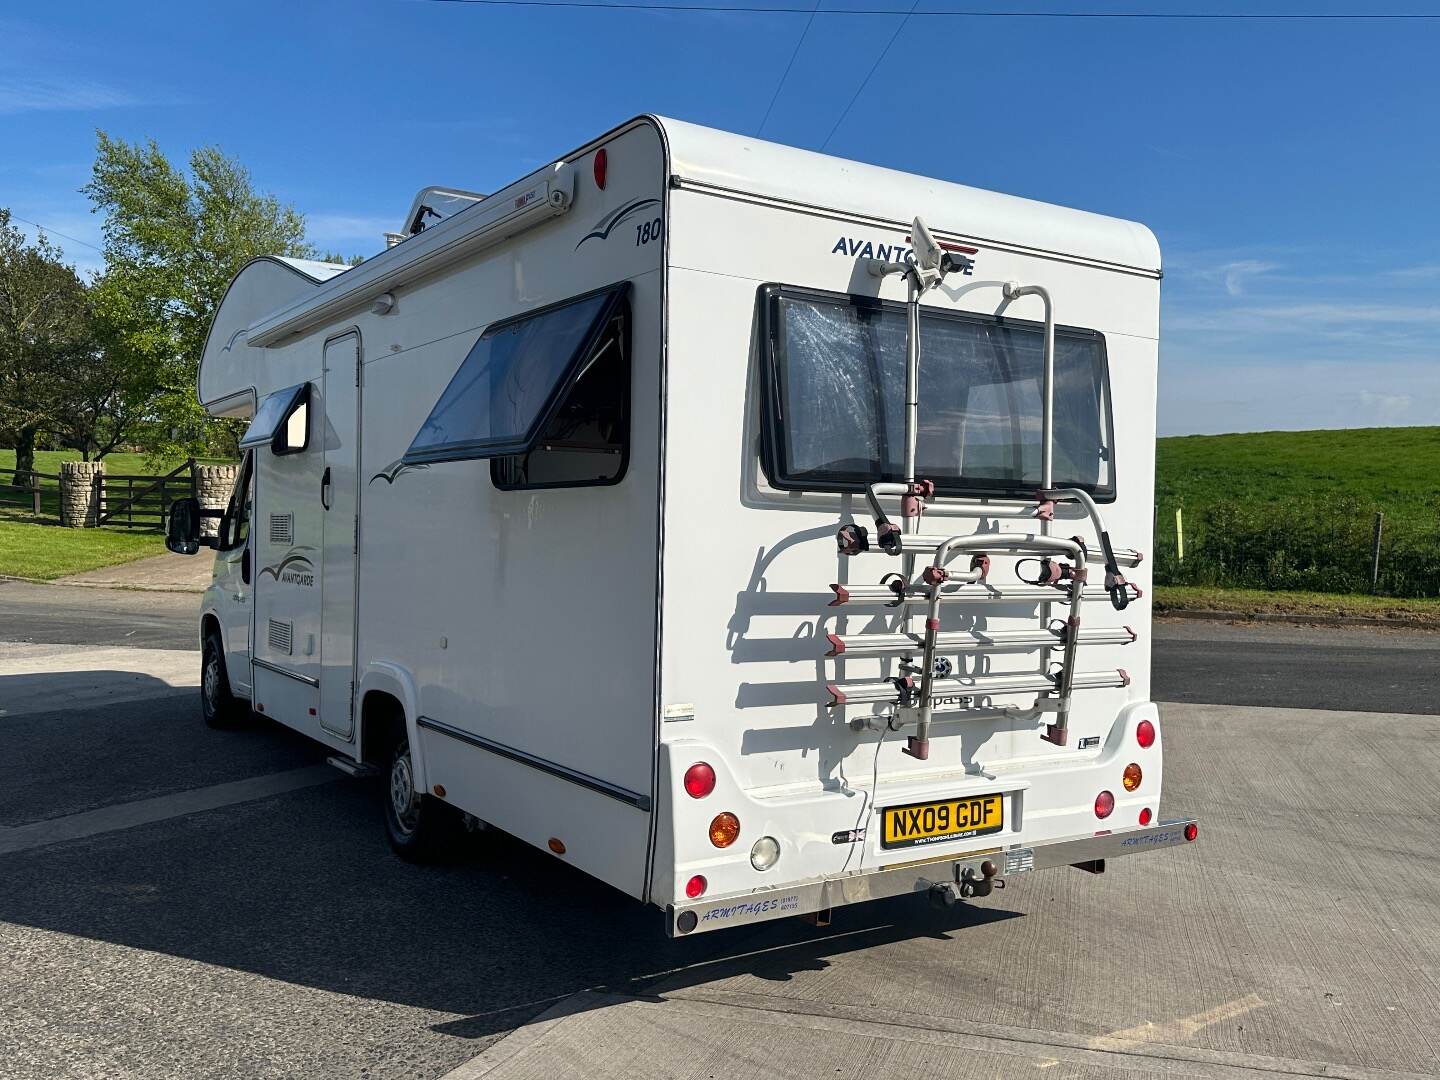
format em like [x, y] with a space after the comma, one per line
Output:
[325, 488]
[245, 567]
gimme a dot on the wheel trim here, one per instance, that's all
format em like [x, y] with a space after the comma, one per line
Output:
[210, 679]
[404, 801]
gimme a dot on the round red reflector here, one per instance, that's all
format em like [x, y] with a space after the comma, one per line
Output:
[1104, 804]
[1145, 816]
[699, 780]
[695, 886]
[1191, 831]
[602, 163]
[1145, 734]
[724, 829]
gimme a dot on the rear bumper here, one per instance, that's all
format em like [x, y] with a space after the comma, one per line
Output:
[820, 894]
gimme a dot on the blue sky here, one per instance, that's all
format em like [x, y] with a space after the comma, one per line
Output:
[1290, 169]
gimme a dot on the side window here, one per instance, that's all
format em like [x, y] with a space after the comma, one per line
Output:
[235, 525]
[586, 440]
[282, 421]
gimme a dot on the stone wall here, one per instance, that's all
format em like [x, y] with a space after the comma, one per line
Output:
[82, 486]
[213, 485]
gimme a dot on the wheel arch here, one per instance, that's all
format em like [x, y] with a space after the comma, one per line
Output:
[387, 690]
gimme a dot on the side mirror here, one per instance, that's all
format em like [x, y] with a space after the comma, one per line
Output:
[182, 530]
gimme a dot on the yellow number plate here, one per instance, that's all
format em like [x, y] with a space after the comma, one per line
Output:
[930, 823]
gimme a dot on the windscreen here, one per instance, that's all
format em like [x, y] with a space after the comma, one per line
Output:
[838, 400]
[508, 383]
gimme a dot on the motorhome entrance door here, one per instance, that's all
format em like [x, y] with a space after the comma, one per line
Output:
[340, 498]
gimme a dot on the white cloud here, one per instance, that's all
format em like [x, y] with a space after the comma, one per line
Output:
[346, 230]
[1200, 398]
[1236, 274]
[20, 95]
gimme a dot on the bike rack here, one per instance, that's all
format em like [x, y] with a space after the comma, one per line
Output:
[929, 687]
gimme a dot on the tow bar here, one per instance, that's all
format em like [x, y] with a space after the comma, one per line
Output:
[968, 884]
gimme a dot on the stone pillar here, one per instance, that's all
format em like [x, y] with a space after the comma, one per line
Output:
[213, 485]
[82, 486]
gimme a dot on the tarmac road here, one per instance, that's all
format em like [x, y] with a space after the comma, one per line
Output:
[180, 901]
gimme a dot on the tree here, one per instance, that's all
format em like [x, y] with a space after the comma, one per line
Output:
[44, 334]
[172, 244]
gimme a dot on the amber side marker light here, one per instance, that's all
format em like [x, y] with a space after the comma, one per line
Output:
[724, 829]
[556, 845]
[1132, 777]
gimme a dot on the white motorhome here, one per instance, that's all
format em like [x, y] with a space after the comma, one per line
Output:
[571, 513]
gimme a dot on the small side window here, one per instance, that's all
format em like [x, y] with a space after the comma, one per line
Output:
[586, 440]
[282, 420]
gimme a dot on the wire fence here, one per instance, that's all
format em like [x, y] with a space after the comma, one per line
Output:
[1340, 545]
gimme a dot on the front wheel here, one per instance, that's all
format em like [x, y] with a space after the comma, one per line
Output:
[219, 707]
[418, 826]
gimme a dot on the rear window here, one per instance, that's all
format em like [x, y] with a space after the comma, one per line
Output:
[835, 399]
[512, 380]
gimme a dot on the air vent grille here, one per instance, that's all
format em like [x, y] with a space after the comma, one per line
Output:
[282, 635]
[282, 528]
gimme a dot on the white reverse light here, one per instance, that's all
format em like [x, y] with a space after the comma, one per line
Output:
[765, 853]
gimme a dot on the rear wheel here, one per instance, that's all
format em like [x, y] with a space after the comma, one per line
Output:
[218, 705]
[419, 826]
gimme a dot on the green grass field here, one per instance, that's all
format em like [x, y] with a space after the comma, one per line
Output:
[1295, 510]
[41, 550]
[1396, 469]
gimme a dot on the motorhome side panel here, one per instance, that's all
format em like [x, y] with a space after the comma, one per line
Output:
[524, 620]
[744, 685]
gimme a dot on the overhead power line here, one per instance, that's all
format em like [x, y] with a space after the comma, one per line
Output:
[869, 75]
[56, 232]
[784, 9]
[781, 84]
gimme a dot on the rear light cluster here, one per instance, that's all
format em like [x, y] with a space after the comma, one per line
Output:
[699, 780]
[724, 829]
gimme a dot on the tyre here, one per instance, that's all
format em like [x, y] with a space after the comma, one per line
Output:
[218, 705]
[420, 827]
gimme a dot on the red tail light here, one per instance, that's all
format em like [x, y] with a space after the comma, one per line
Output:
[699, 780]
[1191, 831]
[1145, 816]
[1145, 734]
[696, 886]
[1104, 804]
[602, 165]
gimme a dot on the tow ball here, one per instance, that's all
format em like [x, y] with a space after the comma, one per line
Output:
[971, 883]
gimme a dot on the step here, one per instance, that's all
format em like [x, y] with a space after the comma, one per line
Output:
[863, 645]
[960, 688]
[971, 593]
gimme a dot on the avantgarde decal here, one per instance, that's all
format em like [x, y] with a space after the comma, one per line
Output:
[606, 225]
[293, 569]
[394, 470]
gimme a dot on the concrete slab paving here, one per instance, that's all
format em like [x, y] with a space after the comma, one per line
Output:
[1301, 936]
[43, 678]
[738, 1037]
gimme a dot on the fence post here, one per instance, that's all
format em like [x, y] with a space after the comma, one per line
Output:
[213, 484]
[82, 491]
[1179, 536]
[1375, 553]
